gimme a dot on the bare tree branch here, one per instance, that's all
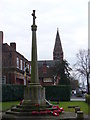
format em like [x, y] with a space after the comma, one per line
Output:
[81, 66]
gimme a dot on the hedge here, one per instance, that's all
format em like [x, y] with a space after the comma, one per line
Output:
[58, 93]
[54, 93]
[12, 92]
[87, 97]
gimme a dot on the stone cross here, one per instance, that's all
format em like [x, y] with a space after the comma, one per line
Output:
[34, 64]
[34, 17]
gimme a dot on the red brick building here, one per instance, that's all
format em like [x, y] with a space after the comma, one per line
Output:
[13, 65]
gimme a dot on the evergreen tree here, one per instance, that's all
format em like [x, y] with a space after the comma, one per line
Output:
[62, 69]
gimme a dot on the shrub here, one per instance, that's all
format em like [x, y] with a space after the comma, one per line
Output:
[87, 97]
[58, 93]
[54, 93]
[12, 92]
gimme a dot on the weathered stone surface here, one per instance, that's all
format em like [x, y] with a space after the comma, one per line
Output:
[77, 109]
[34, 94]
[80, 115]
[64, 116]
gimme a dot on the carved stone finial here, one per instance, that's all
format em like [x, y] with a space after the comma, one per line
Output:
[34, 17]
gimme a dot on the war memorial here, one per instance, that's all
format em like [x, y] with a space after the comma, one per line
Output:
[35, 106]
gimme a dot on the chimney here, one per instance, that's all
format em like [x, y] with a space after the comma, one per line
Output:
[1, 37]
[13, 45]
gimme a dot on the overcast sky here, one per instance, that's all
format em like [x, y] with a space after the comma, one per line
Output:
[69, 16]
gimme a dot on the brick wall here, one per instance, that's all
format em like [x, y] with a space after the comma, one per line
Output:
[13, 74]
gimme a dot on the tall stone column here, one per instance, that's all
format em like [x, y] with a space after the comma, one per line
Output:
[34, 92]
[34, 65]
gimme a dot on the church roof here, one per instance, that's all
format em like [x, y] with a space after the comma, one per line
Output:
[58, 45]
[58, 51]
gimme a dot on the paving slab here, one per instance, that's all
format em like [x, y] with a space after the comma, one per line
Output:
[63, 116]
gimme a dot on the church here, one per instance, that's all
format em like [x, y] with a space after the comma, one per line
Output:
[46, 67]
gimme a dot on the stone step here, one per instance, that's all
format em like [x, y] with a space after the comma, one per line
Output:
[33, 106]
[64, 116]
[31, 109]
[9, 112]
[19, 113]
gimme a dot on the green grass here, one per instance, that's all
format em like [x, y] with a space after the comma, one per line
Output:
[83, 106]
[7, 105]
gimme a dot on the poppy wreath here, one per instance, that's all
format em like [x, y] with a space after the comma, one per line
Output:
[41, 112]
[21, 102]
[37, 105]
[54, 112]
[59, 109]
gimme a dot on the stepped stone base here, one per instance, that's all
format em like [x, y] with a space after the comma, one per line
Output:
[34, 101]
[63, 116]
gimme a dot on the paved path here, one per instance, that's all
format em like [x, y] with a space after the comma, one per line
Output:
[74, 98]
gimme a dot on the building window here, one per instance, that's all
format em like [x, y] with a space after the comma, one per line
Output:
[24, 66]
[21, 65]
[28, 67]
[47, 80]
[17, 62]
[4, 80]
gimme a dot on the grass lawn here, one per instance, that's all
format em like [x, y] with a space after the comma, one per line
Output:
[83, 106]
[7, 105]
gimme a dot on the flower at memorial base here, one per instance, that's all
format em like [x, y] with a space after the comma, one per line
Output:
[48, 111]
[55, 113]
[37, 105]
[21, 102]
[61, 109]
[41, 112]
[35, 112]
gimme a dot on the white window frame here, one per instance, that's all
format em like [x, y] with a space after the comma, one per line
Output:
[17, 62]
[21, 64]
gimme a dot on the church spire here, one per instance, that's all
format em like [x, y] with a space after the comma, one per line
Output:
[58, 51]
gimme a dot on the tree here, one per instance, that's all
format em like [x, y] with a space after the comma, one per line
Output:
[62, 70]
[82, 65]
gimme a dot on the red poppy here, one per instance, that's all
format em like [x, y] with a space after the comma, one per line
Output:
[55, 113]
